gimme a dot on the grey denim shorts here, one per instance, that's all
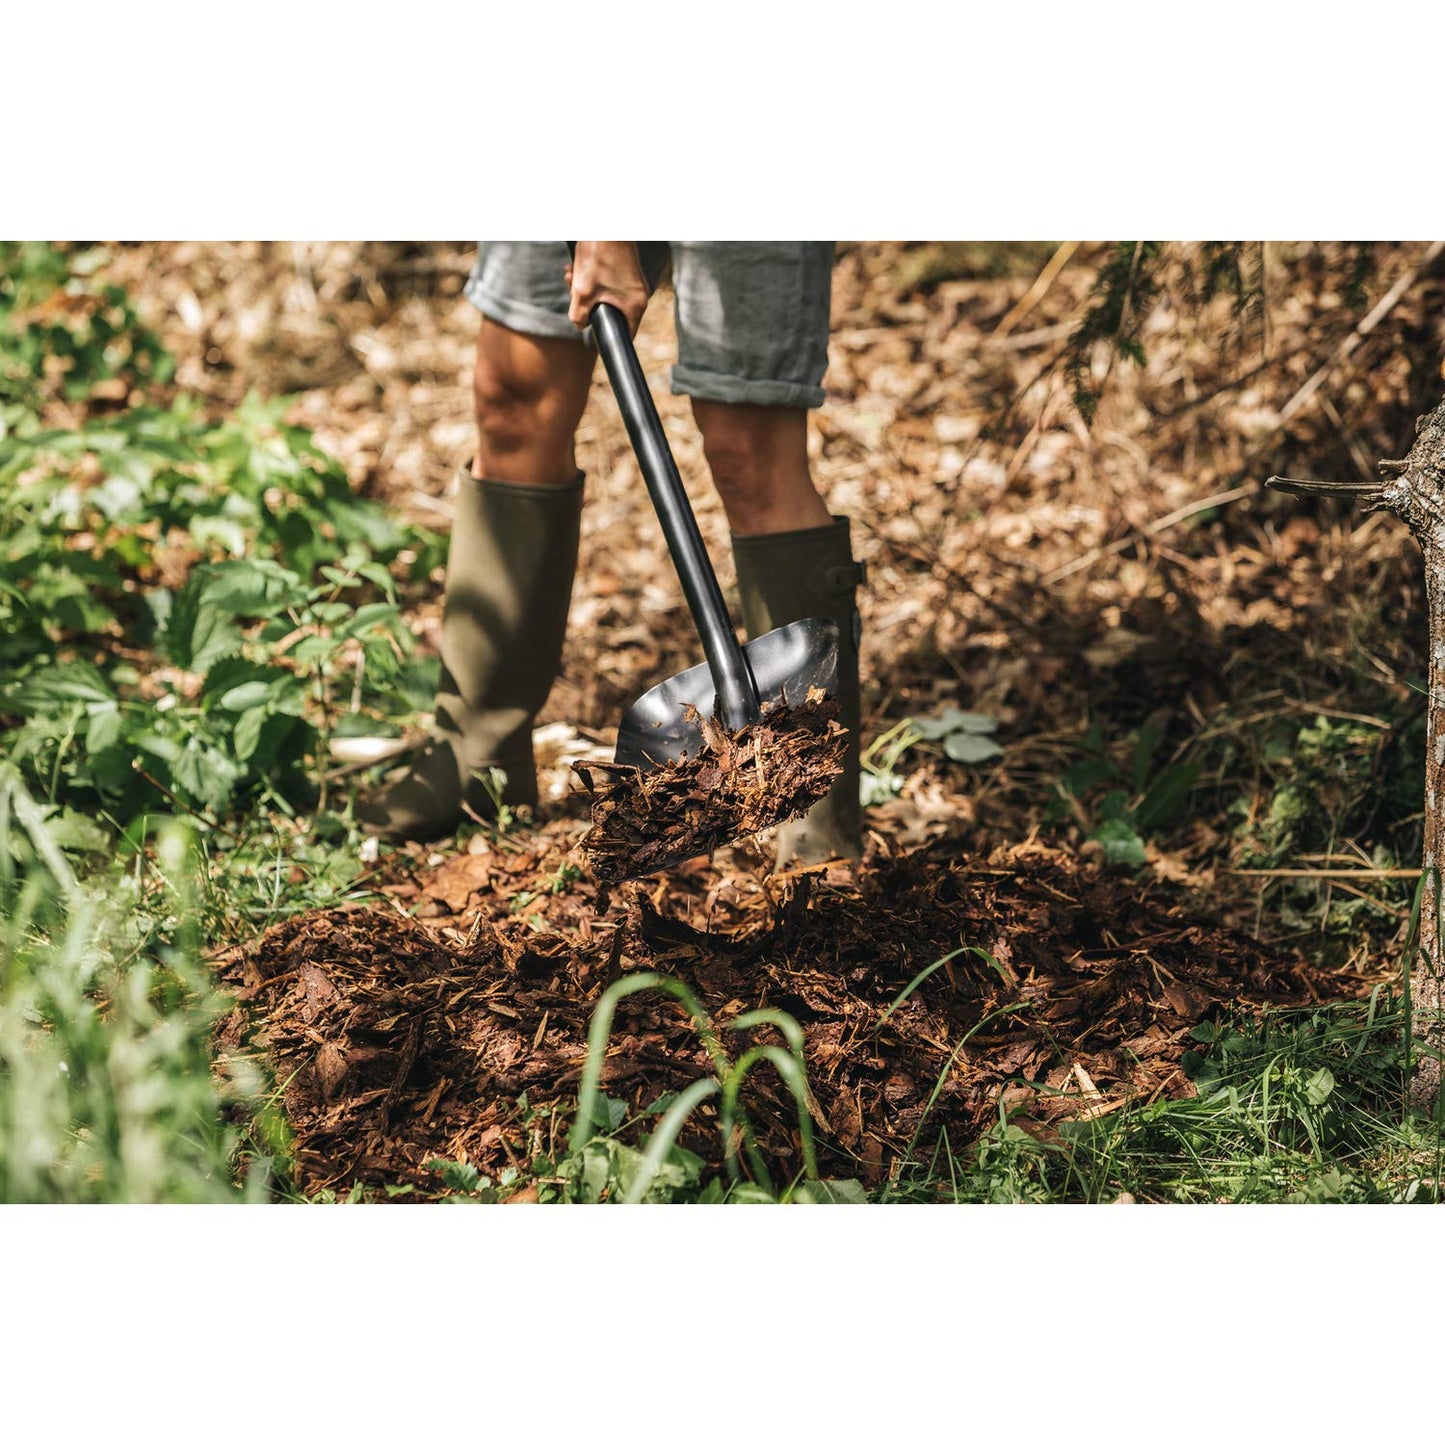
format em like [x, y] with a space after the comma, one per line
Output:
[752, 316]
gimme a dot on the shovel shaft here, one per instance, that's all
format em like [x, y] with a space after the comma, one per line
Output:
[737, 693]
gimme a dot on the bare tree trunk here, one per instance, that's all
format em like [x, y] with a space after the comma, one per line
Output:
[1414, 491]
[1426, 968]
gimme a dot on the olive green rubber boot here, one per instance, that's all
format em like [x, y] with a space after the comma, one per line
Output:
[510, 566]
[783, 577]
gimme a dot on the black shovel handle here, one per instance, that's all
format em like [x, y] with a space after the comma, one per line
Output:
[737, 693]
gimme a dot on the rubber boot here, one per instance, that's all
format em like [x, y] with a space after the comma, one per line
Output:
[510, 566]
[785, 576]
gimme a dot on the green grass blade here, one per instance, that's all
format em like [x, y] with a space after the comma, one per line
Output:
[600, 1031]
[665, 1136]
[926, 974]
[791, 1073]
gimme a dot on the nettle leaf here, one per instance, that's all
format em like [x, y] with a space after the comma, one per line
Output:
[608, 1113]
[246, 696]
[296, 537]
[220, 531]
[313, 648]
[952, 720]
[368, 523]
[197, 633]
[76, 833]
[453, 1174]
[59, 686]
[273, 631]
[79, 612]
[1121, 843]
[971, 748]
[104, 729]
[205, 773]
[373, 614]
[1318, 1087]
[280, 738]
[111, 770]
[235, 684]
[378, 575]
[247, 736]
[228, 672]
[833, 1191]
[116, 496]
[251, 587]
[163, 749]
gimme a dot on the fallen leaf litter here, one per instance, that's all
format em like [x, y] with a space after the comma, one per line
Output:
[1021, 566]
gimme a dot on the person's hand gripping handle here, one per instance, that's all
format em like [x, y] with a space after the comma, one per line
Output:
[609, 271]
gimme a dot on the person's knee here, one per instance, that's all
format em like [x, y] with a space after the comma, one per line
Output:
[738, 462]
[515, 412]
[528, 398]
[758, 456]
[748, 446]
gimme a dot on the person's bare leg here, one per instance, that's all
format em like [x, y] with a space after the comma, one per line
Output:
[529, 394]
[794, 560]
[758, 456]
[510, 565]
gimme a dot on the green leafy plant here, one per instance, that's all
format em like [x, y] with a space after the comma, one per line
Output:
[1298, 1106]
[61, 332]
[259, 662]
[189, 608]
[962, 737]
[1322, 794]
[1119, 802]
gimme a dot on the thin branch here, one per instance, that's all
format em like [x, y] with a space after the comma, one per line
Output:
[1037, 291]
[1356, 873]
[185, 807]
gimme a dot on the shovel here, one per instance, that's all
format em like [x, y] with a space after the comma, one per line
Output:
[736, 682]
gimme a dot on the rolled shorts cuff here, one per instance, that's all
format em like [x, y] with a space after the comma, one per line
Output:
[744, 391]
[524, 316]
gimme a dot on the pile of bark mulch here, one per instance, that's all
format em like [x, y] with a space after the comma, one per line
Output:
[410, 1032]
[736, 785]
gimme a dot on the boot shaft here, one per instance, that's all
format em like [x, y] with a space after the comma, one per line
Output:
[786, 576]
[510, 567]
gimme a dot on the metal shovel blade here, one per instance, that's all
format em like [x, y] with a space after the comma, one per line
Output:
[785, 663]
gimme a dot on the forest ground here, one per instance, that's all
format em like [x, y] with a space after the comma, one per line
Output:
[1197, 824]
